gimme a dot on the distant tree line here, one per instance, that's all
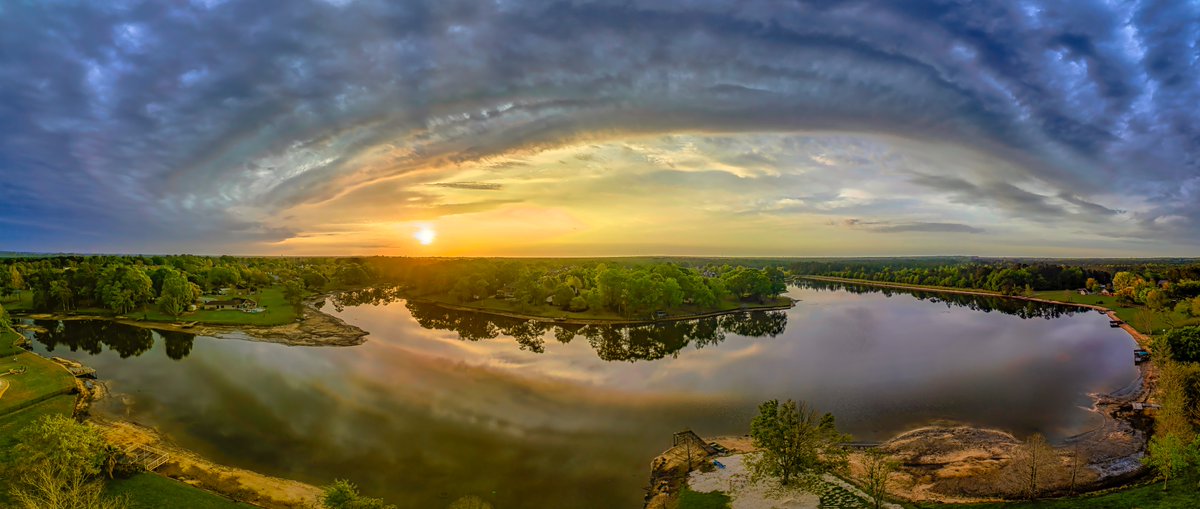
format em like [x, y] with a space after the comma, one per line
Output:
[629, 288]
[123, 284]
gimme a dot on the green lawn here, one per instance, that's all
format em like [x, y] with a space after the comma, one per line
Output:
[689, 499]
[150, 491]
[8, 343]
[42, 380]
[1182, 495]
[1128, 313]
[22, 302]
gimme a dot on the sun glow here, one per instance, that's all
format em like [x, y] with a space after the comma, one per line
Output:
[425, 235]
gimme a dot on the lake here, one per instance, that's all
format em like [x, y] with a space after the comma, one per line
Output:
[438, 405]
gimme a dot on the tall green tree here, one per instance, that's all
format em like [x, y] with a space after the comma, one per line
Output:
[60, 465]
[792, 439]
[177, 293]
[293, 293]
[122, 288]
[1171, 456]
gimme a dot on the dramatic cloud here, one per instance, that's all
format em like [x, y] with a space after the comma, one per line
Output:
[622, 127]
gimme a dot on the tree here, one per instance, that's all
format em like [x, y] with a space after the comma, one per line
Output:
[1123, 280]
[792, 439]
[1033, 461]
[15, 280]
[1156, 299]
[61, 292]
[177, 293]
[562, 296]
[1171, 456]
[223, 276]
[293, 293]
[61, 461]
[343, 494]
[122, 288]
[877, 471]
[1184, 343]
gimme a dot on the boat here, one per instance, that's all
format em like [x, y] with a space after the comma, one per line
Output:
[1140, 356]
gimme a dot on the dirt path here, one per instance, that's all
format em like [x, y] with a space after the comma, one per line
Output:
[189, 467]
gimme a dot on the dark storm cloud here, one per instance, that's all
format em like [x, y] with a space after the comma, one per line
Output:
[192, 122]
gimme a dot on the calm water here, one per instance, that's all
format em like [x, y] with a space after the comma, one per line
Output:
[438, 405]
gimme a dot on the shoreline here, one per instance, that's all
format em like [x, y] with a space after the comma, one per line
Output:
[602, 321]
[314, 327]
[1141, 339]
[1113, 448]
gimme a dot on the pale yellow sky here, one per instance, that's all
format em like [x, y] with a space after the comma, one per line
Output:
[747, 194]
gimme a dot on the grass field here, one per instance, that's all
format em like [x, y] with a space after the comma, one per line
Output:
[8, 343]
[42, 380]
[689, 499]
[150, 491]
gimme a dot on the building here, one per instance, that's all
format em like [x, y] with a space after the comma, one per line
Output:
[234, 303]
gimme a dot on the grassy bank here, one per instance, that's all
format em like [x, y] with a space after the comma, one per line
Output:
[42, 380]
[1182, 495]
[43, 390]
[1140, 317]
[151, 491]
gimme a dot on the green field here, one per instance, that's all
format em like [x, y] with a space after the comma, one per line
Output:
[8, 343]
[689, 499]
[150, 491]
[43, 379]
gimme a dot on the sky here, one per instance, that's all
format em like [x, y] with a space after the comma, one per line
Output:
[596, 128]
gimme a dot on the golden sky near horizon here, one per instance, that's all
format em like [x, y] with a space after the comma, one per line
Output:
[685, 194]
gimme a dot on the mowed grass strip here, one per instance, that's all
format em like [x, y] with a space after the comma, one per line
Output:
[152, 491]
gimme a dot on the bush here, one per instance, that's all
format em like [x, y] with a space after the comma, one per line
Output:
[1184, 343]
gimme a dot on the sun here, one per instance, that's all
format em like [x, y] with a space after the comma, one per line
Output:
[425, 235]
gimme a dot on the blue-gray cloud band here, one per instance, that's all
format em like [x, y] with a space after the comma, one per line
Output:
[124, 121]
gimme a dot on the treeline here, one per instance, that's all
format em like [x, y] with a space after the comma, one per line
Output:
[122, 284]
[1156, 284]
[629, 288]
